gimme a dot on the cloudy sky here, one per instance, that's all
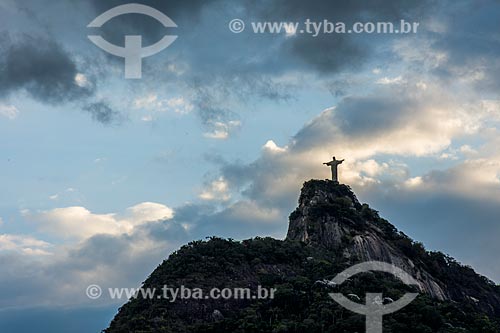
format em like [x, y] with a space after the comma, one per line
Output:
[102, 177]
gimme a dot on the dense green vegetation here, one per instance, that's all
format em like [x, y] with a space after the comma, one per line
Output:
[301, 304]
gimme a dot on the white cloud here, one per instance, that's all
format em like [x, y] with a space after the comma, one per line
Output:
[24, 244]
[388, 80]
[221, 130]
[368, 172]
[271, 147]
[89, 248]
[148, 212]
[415, 123]
[147, 118]
[8, 111]
[413, 182]
[252, 211]
[425, 55]
[152, 102]
[217, 190]
[468, 150]
[492, 108]
[81, 80]
[178, 105]
[178, 68]
[146, 102]
[371, 167]
[80, 223]
[421, 85]
[456, 154]
[448, 156]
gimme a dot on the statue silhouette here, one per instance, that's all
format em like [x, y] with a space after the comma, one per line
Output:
[333, 164]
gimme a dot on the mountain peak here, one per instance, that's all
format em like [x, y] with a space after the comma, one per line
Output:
[326, 212]
[325, 191]
[329, 231]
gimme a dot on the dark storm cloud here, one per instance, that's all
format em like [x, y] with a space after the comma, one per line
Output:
[42, 68]
[212, 77]
[47, 72]
[184, 13]
[214, 95]
[104, 249]
[371, 114]
[473, 31]
[359, 117]
[326, 53]
[330, 53]
[102, 112]
[253, 181]
[247, 65]
[189, 8]
[210, 103]
[471, 41]
[235, 222]
[297, 9]
[116, 250]
[461, 226]
[165, 230]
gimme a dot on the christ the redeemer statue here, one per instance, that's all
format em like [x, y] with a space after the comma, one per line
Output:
[333, 164]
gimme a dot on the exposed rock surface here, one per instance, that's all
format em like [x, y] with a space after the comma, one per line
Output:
[329, 215]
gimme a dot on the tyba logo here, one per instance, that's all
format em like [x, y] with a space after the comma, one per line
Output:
[133, 52]
[374, 308]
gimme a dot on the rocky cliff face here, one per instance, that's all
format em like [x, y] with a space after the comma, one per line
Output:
[330, 216]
